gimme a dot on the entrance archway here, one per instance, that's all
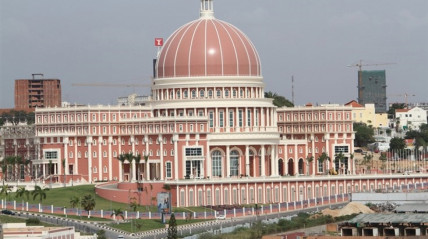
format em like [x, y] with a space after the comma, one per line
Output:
[280, 167]
[290, 167]
[301, 166]
[252, 161]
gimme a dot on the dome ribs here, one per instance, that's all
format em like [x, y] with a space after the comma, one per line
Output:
[208, 47]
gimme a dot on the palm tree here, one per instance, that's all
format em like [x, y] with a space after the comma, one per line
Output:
[5, 189]
[39, 192]
[129, 157]
[121, 159]
[4, 170]
[74, 201]
[63, 170]
[137, 159]
[18, 162]
[117, 213]
[309, 160]
[323, 157]
[11, 160]
[133, 204]
[146, 160]
[88, 203]
[21, 192]
[339, 159]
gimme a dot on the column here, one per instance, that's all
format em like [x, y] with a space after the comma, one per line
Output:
[208, 161]
[175, 139]
[147, 164]
[272, 161]
[227, 161]
[89, 143]
[296, 160]
[247, 160]
[263, 161]
[160, 138]
[76, 159]
[110, 158]
[100, 158]
[119, 151]
[65, 141]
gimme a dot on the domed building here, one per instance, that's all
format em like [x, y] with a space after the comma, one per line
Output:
[207, 132]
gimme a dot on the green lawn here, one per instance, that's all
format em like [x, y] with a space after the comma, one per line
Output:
[10, 219]
[60, 197]
[147, 224]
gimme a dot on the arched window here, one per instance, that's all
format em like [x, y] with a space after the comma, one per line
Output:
[171, 94]
[202, 93]
[178, 94]
[193, 94]
[234, 163]
[216, 163]
[185, 95]
[210, 93]
[218, 93]
[226, 93]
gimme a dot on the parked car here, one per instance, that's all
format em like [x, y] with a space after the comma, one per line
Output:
[7, 212]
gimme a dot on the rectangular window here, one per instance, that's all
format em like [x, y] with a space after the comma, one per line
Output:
[211, 116]
[221, 119]
[51, 155]
[230, 118]
[341, 149]
[248, 117]
[194, 151]
[240, 118]
[168, 170]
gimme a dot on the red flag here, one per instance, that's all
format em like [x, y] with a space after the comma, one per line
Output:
[158, 41]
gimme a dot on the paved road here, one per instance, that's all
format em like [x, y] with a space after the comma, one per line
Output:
[206, 226]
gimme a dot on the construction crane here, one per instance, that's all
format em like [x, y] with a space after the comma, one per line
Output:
[360, 64]
[406, 98]
[111, 85]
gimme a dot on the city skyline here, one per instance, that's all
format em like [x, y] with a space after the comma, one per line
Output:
[82, 42]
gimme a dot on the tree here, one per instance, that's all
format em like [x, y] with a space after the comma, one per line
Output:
[146, 165]
[101, 234]
[340, 159]
[137, 159]
[88, 203]
[309, 160]
[133, 204]
[172, 229]
[117, 213]
[363, 134]
[39, 192]
[22, 192]
[129, 157]
[5, 190]
[278, 101]
[323, 157]
[397, 144]
[74, 201]
[121, 159]
[63, 170]
[393, 107]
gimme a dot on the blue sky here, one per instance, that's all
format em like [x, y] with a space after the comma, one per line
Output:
[111, 41]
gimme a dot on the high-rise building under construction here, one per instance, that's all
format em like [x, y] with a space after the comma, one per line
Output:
[372, 89]
[32, 93]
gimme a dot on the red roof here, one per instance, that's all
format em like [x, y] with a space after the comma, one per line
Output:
[208, 47]
[402, 110]
[353, 103]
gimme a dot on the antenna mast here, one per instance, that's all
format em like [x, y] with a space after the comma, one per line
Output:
[292, 89]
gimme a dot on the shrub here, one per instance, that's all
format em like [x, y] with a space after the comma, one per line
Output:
[32, 221]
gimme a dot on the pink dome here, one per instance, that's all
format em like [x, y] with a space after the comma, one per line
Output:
[208, 47]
